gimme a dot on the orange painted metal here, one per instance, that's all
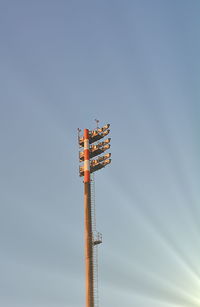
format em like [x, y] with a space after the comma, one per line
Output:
[88, 225]
[86, 156]
[88, 247]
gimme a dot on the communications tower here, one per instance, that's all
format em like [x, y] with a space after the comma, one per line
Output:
[91, 147]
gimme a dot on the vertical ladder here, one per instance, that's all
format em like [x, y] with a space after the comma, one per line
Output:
[97, 239]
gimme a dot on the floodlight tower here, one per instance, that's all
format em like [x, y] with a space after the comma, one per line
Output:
[90, 166]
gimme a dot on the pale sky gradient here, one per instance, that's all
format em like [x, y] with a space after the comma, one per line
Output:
[136, 65]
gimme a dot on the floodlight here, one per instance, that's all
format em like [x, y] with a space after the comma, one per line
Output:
[106, 132]
[95, 135]
[104, 128]
[81, 156]
[107, 141]
[102, 158]
[81, 141]
[81, 171]
[97, 150]
[108, 161]
[96, 165]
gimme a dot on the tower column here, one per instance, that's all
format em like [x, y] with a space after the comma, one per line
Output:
[88, 224]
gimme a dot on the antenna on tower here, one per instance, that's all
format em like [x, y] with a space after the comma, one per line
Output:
[97, 123]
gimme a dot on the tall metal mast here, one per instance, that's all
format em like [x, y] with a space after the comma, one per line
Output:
[92, 238]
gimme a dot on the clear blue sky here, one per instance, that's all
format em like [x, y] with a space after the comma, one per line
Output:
[136, 65]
